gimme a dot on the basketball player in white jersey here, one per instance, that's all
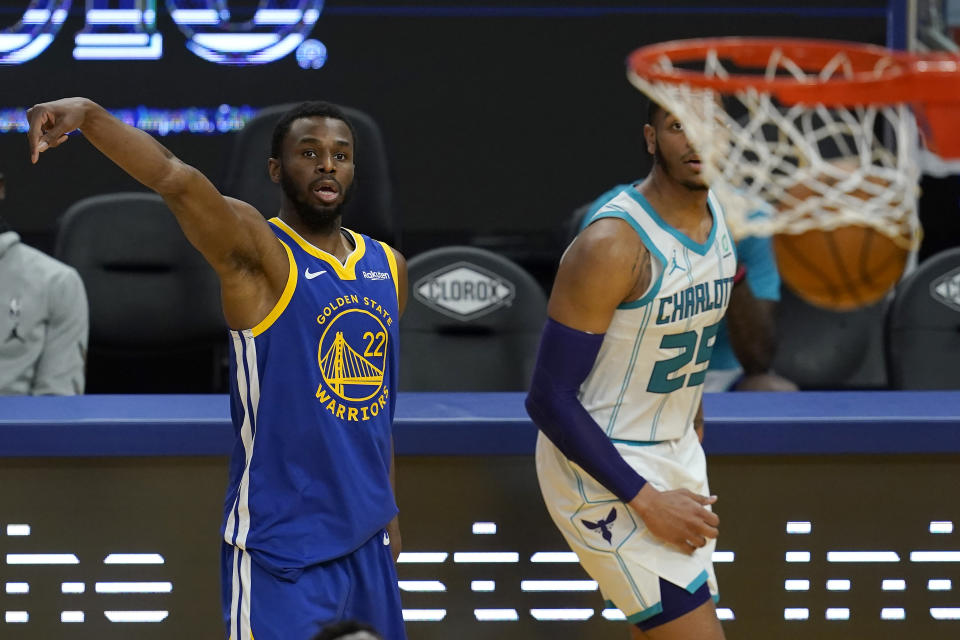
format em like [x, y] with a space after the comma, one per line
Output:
[617, 392]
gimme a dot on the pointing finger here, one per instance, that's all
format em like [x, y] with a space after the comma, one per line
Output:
[34, 118]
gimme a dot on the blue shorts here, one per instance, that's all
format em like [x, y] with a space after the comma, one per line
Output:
[676, 601]
[361, 586]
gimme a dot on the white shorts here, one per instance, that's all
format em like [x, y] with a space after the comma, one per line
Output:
[611, 541]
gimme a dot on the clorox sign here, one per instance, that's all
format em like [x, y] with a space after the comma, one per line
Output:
[946, 289]
[464, 291]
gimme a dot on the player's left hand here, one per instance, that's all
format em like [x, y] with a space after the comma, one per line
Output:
[678, 517]
[393, 530]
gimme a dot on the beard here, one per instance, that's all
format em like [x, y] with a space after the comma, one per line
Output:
[319, 218]
[692, 185]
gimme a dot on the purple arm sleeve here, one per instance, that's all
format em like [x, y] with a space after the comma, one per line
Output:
[565, 359]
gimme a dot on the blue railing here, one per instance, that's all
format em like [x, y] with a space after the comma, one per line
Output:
[806, 423]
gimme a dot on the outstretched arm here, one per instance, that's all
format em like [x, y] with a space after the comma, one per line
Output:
[606, 265]
[231, 235]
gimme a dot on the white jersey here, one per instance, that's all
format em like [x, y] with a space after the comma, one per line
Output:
[647, 381]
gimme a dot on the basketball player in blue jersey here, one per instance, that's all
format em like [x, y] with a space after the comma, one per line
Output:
[310, 516]
[616, 392]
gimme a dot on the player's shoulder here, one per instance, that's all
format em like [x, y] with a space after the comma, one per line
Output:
[245, 210]
[611, 202]
[607, 243]
[388, 250]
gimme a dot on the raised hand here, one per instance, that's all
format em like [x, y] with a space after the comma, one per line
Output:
[50, 122]
[677, 517]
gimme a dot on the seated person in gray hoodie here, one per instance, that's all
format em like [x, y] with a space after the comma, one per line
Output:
[43, 320]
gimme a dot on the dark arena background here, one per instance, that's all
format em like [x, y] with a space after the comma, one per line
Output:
[499, 120]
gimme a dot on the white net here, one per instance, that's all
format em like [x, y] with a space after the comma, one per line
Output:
[789, 169]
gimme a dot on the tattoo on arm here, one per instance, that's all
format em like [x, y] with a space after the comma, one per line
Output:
[642, 267]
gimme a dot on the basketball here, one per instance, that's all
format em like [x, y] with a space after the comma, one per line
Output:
[842, 269]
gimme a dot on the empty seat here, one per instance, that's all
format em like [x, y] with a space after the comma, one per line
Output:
[822, 349]
[156, 324]
[472, 323]
[922, 330]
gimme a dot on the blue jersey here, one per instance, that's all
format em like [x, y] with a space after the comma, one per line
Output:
[312, 401]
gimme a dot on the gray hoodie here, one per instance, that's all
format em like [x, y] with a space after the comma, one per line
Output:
[43, 322]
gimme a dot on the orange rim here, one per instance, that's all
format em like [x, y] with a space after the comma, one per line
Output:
[902, 78]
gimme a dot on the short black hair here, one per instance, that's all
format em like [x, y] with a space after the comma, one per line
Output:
[345, 628]
[307, 110]
[652, 108]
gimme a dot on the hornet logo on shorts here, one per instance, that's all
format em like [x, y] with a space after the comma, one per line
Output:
[602, 525]
[464, 291]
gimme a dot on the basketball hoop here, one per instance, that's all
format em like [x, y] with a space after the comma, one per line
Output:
[797, 134]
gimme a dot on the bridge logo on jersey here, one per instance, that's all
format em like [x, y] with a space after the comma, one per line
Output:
[946, 289]
[352, 358]
[464, 291]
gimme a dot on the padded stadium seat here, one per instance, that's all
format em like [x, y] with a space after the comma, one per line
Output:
[923, 326]
[370, 210]
[156, 324]
[472, 323]
[829, 350]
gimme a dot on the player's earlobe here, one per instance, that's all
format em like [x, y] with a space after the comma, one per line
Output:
[273, 169]
[650, 137]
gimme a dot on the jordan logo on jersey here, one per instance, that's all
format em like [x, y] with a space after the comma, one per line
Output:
[602, 525]
[352, 357]
[674, 266]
